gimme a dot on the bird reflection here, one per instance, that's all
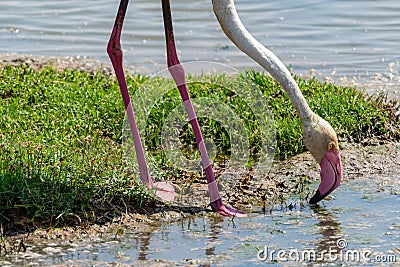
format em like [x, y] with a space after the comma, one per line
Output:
[144, 245]
[330, 230]
[215, 232]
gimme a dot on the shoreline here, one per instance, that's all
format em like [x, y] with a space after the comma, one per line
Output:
[378, 82]
[59, 63]
[358, 162]
[372, 157]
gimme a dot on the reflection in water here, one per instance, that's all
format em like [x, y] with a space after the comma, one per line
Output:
[211, 231]
[328, 226]
[144, 245]
[331, 232]
[215, 232]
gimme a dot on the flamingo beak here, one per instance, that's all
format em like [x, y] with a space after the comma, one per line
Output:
[331, 175]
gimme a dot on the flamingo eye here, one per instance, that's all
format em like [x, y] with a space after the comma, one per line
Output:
[331, 146]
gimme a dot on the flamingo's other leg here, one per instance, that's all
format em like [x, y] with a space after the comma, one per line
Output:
[164, 189]
[178, 74]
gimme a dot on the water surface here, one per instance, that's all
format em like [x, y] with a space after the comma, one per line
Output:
[347, 41]
[364, 218]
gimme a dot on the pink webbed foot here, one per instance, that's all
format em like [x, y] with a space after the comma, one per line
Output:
[165, 191]
[217, 206]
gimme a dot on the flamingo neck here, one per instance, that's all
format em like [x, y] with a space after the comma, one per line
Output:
[229, 20]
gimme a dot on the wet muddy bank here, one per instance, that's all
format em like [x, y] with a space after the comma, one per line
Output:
[254, 193]
[59, 63]
[358, 161]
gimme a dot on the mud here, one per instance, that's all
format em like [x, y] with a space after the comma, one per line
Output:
[60, 63]
[283, 181]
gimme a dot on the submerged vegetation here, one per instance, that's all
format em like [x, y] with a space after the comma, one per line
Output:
[61, 135]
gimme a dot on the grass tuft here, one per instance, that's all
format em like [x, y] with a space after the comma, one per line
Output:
[354, 114]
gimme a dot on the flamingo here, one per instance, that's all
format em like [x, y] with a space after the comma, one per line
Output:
[318, 135]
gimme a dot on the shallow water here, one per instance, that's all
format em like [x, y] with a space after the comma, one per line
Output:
[353, 42]
[362, 219]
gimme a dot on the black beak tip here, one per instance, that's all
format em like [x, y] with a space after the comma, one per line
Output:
[316, 198]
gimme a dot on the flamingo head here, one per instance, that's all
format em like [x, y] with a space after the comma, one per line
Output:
[321, 141]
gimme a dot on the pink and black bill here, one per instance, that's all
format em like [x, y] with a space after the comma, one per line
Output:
[331, 176]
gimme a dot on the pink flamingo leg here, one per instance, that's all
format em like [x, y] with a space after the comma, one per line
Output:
[164, 189]
[178, 74]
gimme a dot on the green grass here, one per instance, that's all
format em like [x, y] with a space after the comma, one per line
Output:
[354, 115]
[61, 146]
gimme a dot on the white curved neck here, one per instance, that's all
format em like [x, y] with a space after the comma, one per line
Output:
[232, 26]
